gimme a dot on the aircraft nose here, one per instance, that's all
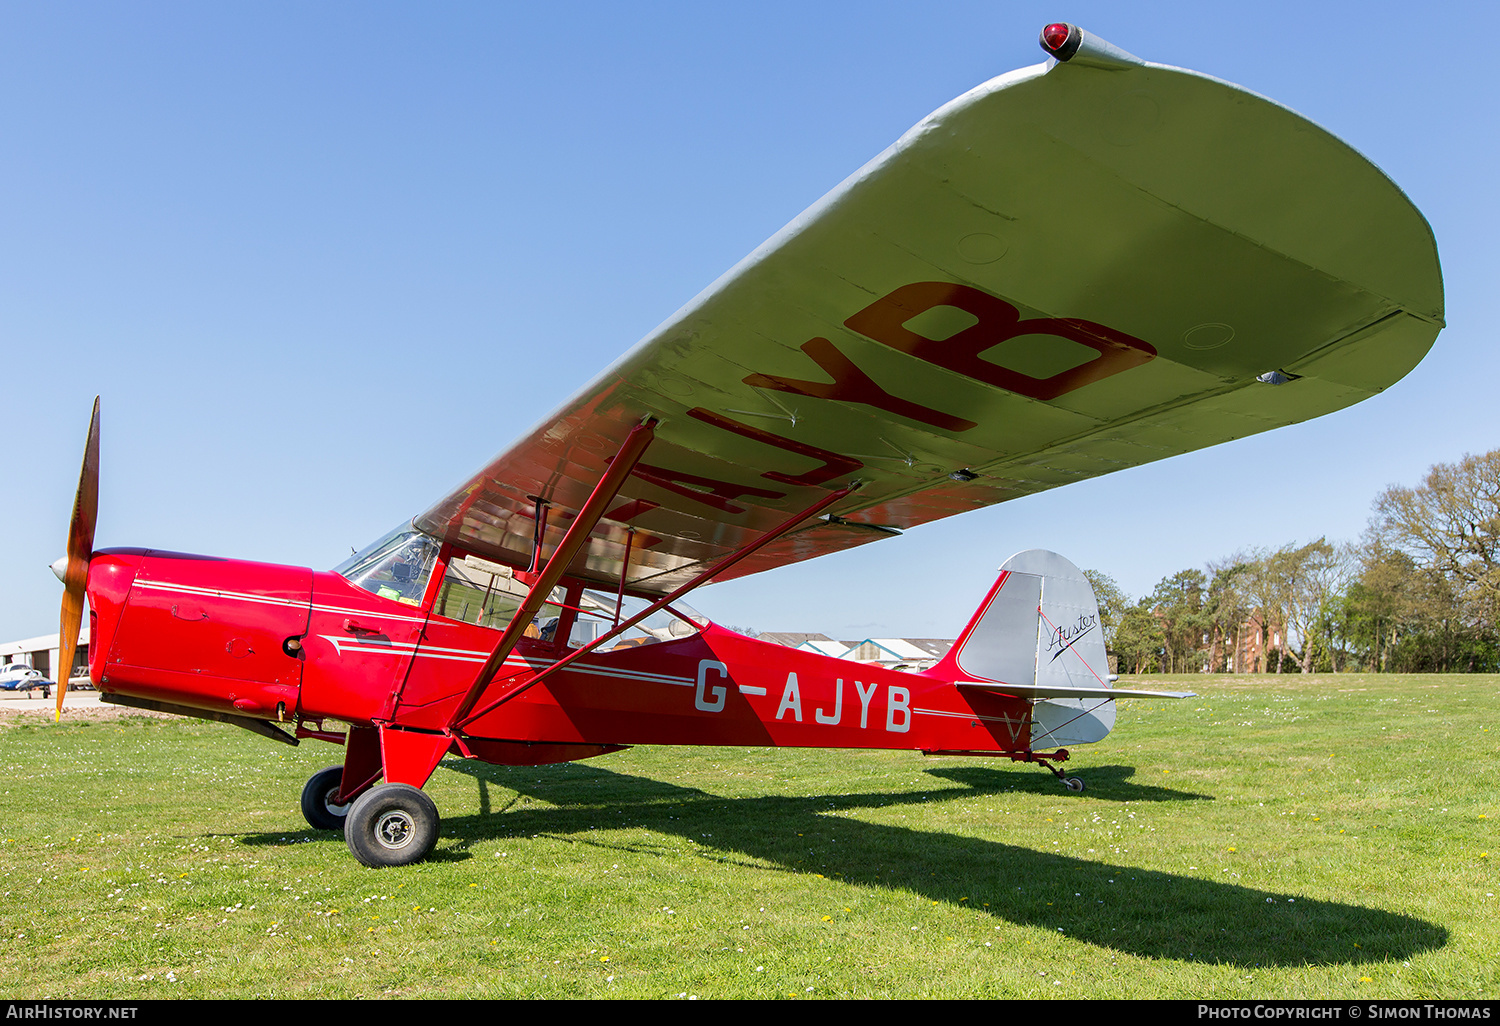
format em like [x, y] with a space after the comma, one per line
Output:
[198, 631]
[59, 569]
[110, 577]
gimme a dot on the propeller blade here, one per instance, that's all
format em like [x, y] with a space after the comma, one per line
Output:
[80, 550]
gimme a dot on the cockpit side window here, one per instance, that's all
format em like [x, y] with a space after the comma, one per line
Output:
[599, 611]
[478, 591]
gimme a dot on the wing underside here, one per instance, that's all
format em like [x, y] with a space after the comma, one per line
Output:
[1067, 271]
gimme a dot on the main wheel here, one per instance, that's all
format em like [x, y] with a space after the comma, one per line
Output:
[391, 825]
[1074, 784]
[318, 794]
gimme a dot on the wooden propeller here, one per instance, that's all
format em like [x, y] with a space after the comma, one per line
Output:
[80, 550]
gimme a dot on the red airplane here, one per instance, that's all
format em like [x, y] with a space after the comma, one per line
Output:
[1074, 268]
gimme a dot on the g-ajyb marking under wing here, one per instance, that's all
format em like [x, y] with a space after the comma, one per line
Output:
[1071, 269]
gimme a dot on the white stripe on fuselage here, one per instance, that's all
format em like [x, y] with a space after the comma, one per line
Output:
[269, 600]
[463, 655]
[468, 655]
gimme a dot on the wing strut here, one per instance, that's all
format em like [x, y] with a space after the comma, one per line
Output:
[562, 557]
[624, 573]
[461, 720]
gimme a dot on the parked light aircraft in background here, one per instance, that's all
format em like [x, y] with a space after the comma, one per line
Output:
[1072, 269]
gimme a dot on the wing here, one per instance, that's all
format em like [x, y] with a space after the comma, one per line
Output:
[1071, 269]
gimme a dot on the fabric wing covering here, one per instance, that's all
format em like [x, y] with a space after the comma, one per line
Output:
[1070, 270]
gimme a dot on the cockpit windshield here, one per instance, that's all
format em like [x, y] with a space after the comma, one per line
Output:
[395, 567]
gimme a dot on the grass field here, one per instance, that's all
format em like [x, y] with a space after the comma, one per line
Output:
[1297, 837]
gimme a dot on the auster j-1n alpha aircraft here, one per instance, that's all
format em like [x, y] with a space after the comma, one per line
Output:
[1072, 269]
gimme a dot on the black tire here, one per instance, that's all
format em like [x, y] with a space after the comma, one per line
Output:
[392, 825]
[1074, 784]
[318, 793]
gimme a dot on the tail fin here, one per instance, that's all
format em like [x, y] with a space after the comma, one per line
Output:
[1038, 635]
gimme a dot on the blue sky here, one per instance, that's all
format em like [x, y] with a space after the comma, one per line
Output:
[322, 261]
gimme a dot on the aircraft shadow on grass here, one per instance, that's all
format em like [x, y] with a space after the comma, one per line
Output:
[1142, 912]
[1149, 913]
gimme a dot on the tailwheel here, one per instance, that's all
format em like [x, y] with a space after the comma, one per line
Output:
[319, 805]
[391, 825]
[1051, 762]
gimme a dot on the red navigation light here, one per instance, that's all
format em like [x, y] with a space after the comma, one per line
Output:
[1055, 35]
[1061, 40]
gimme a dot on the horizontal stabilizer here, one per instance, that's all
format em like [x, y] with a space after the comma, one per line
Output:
[1043, 691]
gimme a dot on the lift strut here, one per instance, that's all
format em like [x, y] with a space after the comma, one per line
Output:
[464, 717]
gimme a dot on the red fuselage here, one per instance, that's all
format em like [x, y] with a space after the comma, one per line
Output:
[289, 644]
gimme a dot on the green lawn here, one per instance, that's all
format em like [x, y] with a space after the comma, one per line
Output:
[1278, 837]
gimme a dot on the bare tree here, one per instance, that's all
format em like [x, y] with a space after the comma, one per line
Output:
[1288, 586]
[1330, 577]
[1112, 604]
[1450, 525]
[1228, 613]
[1264, 591]
[1312, 573]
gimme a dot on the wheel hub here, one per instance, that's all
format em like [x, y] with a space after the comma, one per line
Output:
[395, 830]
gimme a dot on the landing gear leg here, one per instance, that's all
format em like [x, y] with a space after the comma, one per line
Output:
[1074, 784]
[1051, 762]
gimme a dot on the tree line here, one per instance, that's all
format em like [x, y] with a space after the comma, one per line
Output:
[1418, 592]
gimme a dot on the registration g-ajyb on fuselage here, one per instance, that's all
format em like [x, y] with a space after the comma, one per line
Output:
[1074, 268]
